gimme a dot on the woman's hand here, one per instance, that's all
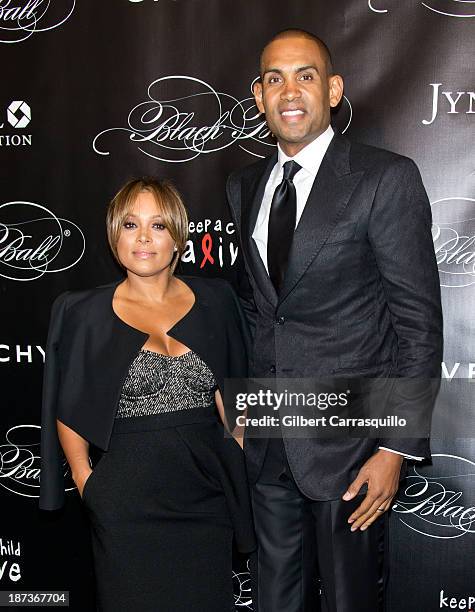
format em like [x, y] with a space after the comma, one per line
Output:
[81, 479]
[238, 432]
[239, 439]
[76, 450]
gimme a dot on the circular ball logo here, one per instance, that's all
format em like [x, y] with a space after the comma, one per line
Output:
[438, 500]
[452, 8]
[449, 8]
[376, 10]
[19, 114]
[342, 115]
[35, 242]
[28, 17]
[453, 232]
[196, 120]
[20, 462]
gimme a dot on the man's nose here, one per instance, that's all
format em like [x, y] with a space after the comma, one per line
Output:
[290, 90]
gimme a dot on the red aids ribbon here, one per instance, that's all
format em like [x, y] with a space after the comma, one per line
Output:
[206, 246]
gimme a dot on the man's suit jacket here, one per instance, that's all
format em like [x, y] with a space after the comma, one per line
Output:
[88, 353]
[360, 298]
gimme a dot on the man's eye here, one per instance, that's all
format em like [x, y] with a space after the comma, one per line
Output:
[307, 77]
[273, 79]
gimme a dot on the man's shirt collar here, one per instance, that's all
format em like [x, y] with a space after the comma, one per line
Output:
[310, 157]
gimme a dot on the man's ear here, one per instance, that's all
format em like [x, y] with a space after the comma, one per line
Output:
[257, 91]
[335, 86]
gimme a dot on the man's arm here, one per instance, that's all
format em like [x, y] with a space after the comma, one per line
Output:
[401, 238]
[391, 450]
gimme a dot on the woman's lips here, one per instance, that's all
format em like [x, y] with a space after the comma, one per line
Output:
[143, 254]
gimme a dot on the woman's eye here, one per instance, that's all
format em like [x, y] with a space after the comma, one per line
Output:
[159, 226]
[129, 224]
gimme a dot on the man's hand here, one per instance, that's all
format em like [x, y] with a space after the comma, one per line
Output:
[381, 472]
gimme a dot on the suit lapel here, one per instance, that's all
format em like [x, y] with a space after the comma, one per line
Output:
[252, 193]
[330, 193]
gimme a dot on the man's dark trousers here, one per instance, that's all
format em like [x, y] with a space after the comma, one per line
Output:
[333, 569]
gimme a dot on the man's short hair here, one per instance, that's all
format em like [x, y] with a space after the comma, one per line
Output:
[298, 32]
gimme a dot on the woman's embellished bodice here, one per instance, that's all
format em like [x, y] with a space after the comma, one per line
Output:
[158, 383]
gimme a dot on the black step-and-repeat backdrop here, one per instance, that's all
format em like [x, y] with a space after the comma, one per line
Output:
[93, 93]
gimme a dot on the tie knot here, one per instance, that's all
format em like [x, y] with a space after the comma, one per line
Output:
[290, 170]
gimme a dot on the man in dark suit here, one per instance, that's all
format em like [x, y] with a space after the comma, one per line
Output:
[340, 279]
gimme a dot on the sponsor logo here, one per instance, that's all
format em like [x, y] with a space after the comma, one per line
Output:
[195, 120]
[35, 242]
[18, 117]
[453, 232]
[10, 557]
[438, 499]
[450, 102]
[211, 244]
[20, 461]
[449, 8]
[18, 353]
[465, 602]
[19, 114]
[20, 19]
[458, 369]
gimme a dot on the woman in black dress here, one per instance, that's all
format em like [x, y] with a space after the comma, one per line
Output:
[135, 370]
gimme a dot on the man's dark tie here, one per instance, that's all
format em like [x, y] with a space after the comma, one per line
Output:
[283, 212]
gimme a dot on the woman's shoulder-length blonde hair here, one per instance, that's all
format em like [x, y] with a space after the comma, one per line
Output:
[169, 202]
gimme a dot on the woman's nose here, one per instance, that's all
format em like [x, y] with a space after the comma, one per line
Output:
[143, 236]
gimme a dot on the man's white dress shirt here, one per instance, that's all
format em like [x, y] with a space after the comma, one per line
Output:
[309, 158]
